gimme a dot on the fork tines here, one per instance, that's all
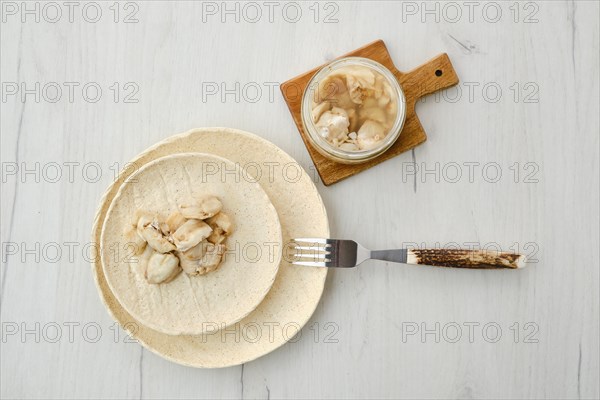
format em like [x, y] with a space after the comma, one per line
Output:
[315, 249]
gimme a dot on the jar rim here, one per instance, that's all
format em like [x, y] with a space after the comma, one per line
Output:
[330, 149]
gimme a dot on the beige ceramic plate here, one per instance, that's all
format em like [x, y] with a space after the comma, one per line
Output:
[193, 304]
[295, 292]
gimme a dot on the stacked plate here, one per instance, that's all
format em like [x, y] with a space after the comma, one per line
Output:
[256, 300]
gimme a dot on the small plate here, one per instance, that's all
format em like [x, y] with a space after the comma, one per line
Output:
[188, 304]
[295, 292]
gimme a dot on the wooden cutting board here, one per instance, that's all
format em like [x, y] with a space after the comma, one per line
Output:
[434, 75]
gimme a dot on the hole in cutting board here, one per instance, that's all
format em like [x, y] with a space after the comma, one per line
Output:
[438, 72]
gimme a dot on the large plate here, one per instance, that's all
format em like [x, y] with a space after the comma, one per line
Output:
[295, 292]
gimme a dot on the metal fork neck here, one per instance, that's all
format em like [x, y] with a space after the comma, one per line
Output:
[398, 255]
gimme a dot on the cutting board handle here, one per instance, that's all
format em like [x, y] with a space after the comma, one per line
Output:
[436, 74]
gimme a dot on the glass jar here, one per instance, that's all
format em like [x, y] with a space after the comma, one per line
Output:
[324, 146]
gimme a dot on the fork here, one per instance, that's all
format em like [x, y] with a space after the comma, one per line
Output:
[338, 253]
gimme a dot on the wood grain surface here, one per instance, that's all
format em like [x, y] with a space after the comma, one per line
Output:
[415, 84]
[510, 163]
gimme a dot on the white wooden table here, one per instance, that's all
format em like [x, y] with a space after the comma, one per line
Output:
[511, 161]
